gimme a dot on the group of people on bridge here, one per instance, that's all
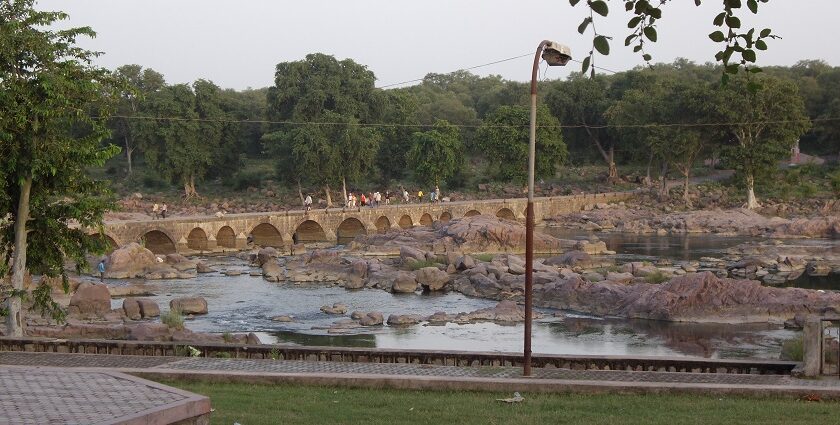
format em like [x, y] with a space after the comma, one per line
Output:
[377, 198]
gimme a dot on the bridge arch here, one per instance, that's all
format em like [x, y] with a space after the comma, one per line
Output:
[382, 224]
[472, 213]
[506, 213]
[445, 217]
[349, 229]
[226, 237]
[426, 220]
[406, 222]
[265, 234]
[197, 239]
[110, 243]
[158, 242]
[309, 231]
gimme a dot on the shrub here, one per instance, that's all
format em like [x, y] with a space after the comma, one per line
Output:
[227, 337]
[222, 355]
[484, 257]
[247, 178]
[834, 180]
[173, 318]
[792, 349]
[153, 180]
[657, 277]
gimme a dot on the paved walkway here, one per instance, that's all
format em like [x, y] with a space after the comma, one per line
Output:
[427, 376]
[39, 396]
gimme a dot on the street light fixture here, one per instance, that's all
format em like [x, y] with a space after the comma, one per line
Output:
[555, 54]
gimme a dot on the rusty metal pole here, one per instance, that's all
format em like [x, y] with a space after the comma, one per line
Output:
[529, 217]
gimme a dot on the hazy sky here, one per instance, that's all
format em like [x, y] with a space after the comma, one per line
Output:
[238, 43]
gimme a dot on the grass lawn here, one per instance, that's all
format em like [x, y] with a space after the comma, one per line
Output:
[290, 404]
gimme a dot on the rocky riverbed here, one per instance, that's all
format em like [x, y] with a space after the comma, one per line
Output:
[463, 262]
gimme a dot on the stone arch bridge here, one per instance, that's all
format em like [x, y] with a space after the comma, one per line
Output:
[195, 234]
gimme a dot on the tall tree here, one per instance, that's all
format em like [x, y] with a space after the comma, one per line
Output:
[436, 154]
[126, 125]
[400, 117]
[582, 102]
[328, 102]
[47, 87]
[177, 151]
[764, 118]
[665, 118]
[504, 137]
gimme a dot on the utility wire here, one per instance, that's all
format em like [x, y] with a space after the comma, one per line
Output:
[603, 126]
[462, 69]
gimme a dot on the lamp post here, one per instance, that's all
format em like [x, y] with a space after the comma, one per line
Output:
[555, 54]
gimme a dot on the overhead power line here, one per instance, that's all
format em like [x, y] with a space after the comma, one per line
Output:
[603, 126]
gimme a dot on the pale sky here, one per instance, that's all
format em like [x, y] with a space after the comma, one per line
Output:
[237, 44]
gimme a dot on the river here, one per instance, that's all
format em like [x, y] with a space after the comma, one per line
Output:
[247, 303]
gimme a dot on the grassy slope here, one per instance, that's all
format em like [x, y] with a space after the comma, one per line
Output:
[256, 404]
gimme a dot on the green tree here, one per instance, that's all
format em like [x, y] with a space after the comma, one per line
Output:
[504, 137]
[328, 102]
[127, 125]
[48, 87]
[582, 102]
[437, 154]
[640, 116]
[177, 150]
[763, 125]
[400, 117]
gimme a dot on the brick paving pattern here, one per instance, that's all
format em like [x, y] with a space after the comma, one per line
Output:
[396, 369]
[289, 366]
[32, 396]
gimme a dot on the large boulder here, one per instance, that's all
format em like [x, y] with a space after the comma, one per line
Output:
[408, 254]
[148, 308]
[403, 319]
[405, 282]
[131, 308]
[189, 305]
[128, 262]
[432, 278]
[487, 233]
[591, 248]
[265, 255]
[272, 271]
[374, 318]
[90, 300]
[695, 297]
[181, 263]
[357, 277]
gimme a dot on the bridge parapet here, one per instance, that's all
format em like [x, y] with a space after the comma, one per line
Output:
[281, 229]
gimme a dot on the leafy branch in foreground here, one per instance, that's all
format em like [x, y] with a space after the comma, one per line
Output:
[739, 45]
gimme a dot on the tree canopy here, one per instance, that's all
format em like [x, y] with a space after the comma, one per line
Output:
[49, 92]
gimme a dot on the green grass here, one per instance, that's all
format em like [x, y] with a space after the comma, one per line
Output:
[657, 277]
[173, 319]
[275, 404]
[417, 265]
[484, 257]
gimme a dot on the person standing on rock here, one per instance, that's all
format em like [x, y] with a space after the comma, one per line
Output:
[163, 210]
[101, 268]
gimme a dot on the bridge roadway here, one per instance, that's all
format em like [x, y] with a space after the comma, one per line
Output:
[195, 234]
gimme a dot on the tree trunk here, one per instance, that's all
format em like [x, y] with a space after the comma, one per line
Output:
[649, 165]
[752, 203]
[128, 151]
[663, 189]
[327, 192]
[344, 189]
[687, 175]
[300, 194]
[189, 187]
[613, 171]
[14, 321]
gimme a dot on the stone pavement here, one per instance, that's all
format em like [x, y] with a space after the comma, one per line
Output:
[30, 395]
[398, 375]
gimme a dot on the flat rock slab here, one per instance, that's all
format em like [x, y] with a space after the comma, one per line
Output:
[50, 395]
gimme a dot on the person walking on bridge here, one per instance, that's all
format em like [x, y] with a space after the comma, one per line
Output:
[308, 202]
[155, 211]
[163, 210]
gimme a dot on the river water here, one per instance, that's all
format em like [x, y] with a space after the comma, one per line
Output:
[247, 303]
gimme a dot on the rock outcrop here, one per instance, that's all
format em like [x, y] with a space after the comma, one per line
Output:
[128, 262]
[90, 300]
[189, 305]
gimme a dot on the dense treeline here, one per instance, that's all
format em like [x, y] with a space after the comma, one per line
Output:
[324, 123]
